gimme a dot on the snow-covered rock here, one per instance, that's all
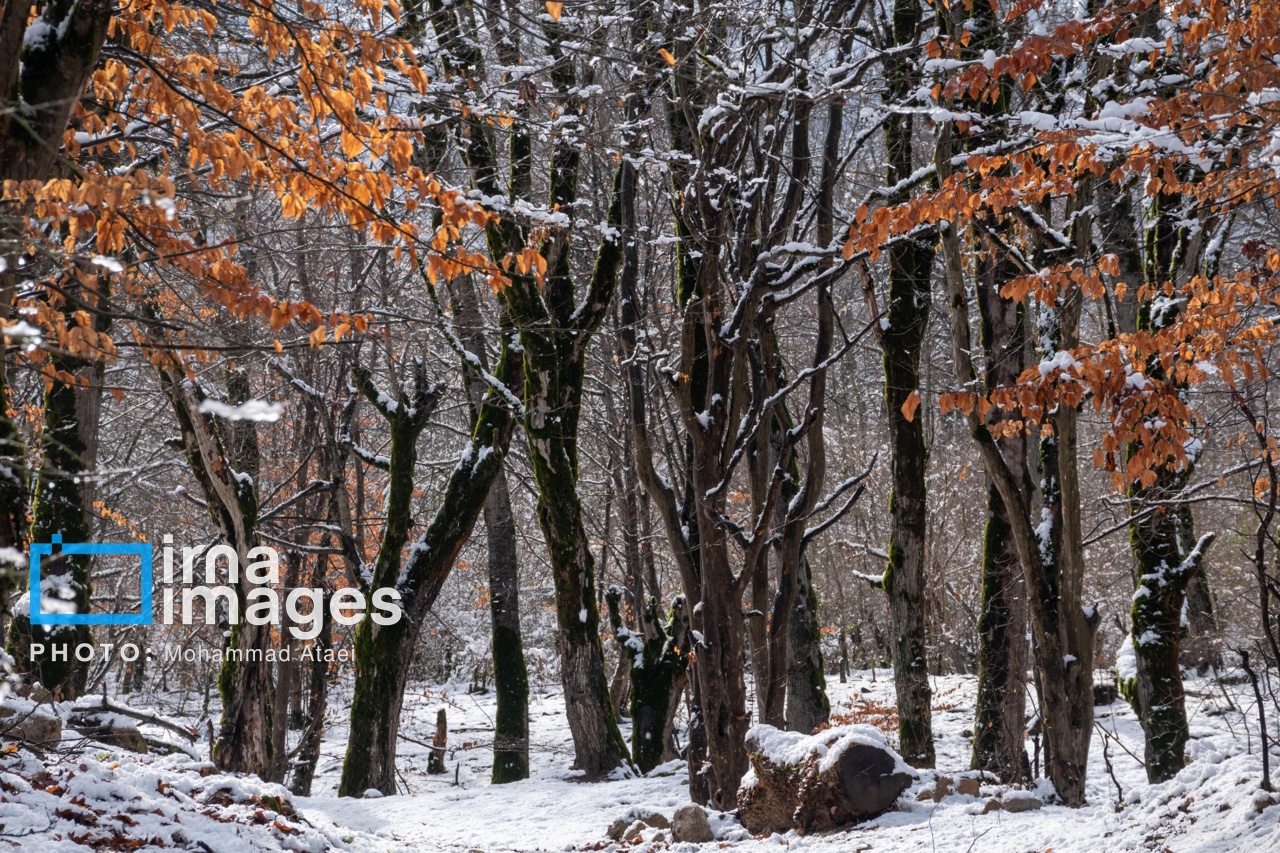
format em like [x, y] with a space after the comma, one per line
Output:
[835, 778]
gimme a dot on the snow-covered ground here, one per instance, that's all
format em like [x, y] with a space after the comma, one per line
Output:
[1210, 807]
[1214, 805]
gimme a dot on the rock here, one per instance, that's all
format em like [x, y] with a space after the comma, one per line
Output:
[616, 828]
[942, 789]
[992, 805]
[623, 827]
[634, 830]
[1105, 693]
[690, 824]
[112, 730]
[30, 722]
[1020, 801]
[813, 783]
[969, 787]
[659, 838]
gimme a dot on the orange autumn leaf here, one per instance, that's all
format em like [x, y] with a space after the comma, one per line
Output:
[910, 406]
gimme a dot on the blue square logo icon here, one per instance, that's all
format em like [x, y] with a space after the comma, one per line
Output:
[45, 549]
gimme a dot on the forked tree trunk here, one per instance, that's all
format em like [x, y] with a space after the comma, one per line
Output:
[555, 329]
[384, 652]
[1000, 724]
[1062, 627]
[215, 454]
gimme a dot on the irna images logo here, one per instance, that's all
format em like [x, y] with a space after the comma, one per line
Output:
[257, 599]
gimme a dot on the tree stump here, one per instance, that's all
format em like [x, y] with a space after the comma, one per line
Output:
[435, 763]
[812, 783]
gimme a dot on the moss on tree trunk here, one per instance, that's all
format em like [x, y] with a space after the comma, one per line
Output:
[658, 659]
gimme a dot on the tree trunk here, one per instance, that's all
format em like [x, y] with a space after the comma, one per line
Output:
[1161, 540]
[658, 657]
[1001, 718]
[510, 677]
[719, 667]
[910, 271]
[384, 652]
[807, 703]
[13, 498]
[1062, 628]
[58, 511]
[1200, 646]
[304, 768]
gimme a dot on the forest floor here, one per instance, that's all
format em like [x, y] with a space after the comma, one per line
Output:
[1211, 806]
[105, 799]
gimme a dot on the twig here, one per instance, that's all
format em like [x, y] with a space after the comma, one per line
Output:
[1106, 758]
[1262, 719]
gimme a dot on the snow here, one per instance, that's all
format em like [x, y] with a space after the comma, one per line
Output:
[109, 264]
[1212, 805]
[1060, 360]
[37, 34]
[106, 797]
[21, 329]
[250, 410]
[551, 811]
[783, 747]
[1126, 660]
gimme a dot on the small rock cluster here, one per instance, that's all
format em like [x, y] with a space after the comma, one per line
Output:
[1013, 801]
[688, 824]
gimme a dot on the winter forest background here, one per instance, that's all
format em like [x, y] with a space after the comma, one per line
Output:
[684, 359]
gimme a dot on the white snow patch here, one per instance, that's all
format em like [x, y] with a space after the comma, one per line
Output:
[250, 410]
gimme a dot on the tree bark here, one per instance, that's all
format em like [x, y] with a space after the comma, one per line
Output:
[384, 652]
[658, 658]
[59, 510]
[1062, 628]
[244, 741]
[510, 675]
[807, 703]
[1160, 535]
[910, 273]
[1000, 725]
